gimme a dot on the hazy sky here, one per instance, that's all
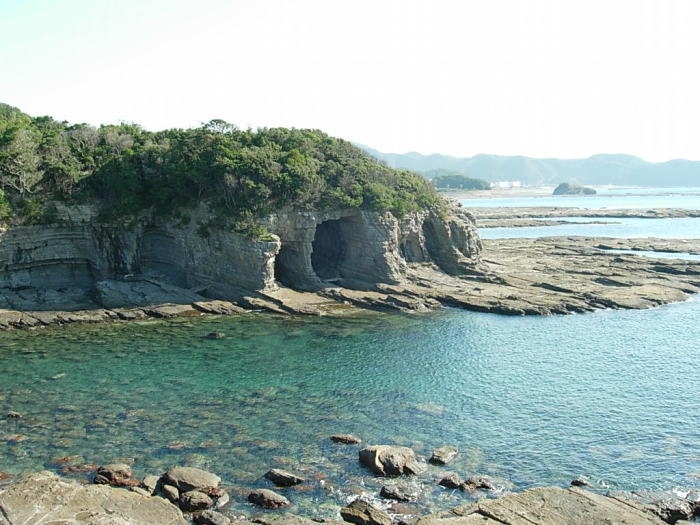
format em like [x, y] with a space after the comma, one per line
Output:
[565, 78]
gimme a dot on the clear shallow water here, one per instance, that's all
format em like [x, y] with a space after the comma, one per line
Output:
[644, 198]
[531, 400]
[674, 228]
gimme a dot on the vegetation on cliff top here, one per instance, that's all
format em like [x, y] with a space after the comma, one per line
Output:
[241, 174]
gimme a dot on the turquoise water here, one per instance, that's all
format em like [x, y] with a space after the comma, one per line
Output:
[645, 198]
[611, 395]
[675, 228]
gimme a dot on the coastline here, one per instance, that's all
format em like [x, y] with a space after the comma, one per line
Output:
[515, 277]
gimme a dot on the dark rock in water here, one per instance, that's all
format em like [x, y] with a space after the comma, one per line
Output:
[579, 482]
[195, 500]
[397, 493]
[5, 475]
[444, 455]
[210, 517]
[360, 512]
[478, 482]
[170, 493]
[13, 415]
[268, 499]
[386, 460]
[283, 478]
[117, 474]
[345, 439]
[216, 335]
[185, 479]
[451, 481]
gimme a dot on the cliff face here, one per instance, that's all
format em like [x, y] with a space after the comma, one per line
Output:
[80, 263]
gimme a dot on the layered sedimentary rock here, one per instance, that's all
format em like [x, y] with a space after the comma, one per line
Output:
[81, 263]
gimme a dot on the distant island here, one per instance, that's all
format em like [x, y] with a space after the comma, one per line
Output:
[572, 189]
[620, 170]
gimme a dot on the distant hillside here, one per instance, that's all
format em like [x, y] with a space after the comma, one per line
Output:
[599, 169]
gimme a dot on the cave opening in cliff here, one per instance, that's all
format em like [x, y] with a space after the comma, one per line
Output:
[328, 250]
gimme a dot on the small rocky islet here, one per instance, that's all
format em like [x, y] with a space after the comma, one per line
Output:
[182, 495]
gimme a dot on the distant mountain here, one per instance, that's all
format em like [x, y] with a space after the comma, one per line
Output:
[621, 170]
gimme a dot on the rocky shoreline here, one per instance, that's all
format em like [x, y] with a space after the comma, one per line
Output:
[551, 275]
[112, 495]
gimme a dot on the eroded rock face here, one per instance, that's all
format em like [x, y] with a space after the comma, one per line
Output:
[45, 498]
[82, 264]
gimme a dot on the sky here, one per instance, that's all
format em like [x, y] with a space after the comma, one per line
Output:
[542, 78]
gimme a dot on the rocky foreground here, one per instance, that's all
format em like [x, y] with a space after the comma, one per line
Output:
[184, 495]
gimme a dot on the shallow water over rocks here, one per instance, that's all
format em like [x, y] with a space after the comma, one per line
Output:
[528, 401]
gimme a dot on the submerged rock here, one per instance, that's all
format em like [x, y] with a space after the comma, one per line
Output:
[444, 455]
[360, 512]
[13, 415]
[216, 335]
[345, 439]
[283, 478]
[268, 499]
[387, 460]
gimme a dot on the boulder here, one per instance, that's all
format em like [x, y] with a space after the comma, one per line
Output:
[170, 493]
[397, 493]
[149, 484]
[386, 460]
[345, 439]
[185, 479]
[210, 517]
[478, 482]
[46, 498]
[360, 512]
[117, 474]
[13, 415]
[283, 478]
[216, 335]
[268, 499]
[195, 500]
[444, 455]
[451, 481]
[579, 482]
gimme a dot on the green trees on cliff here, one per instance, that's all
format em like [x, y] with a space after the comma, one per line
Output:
[242, 174]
